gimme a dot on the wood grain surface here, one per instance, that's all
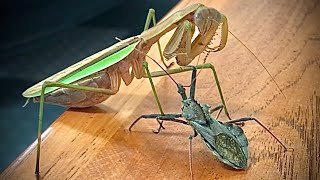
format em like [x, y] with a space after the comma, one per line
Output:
[94, 143]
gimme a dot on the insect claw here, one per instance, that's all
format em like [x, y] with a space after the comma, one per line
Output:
[156, 132]
[37, 176]
[195, 134]
[159, 129]
[160, 126]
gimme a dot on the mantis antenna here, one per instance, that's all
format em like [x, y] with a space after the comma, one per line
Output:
[256, 59]
[259, 62]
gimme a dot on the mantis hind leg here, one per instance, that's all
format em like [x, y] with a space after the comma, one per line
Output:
[61, 85]
[152, 17]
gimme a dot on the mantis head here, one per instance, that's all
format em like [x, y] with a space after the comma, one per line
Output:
[208, 20]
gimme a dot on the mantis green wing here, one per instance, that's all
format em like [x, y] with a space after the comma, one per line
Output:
[90, 65]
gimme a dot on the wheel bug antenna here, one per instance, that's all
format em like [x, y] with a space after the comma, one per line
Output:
[259, 62]
[197, 64]
[193, 79]
[153, 61]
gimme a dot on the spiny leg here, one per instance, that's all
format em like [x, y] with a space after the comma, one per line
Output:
[162, 117]
[200, 66]
[152, 16]
[263, 126]
[61, 85]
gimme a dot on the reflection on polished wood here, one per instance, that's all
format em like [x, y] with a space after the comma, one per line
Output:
[94, 143]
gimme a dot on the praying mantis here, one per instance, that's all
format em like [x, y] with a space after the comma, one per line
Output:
[98, 76]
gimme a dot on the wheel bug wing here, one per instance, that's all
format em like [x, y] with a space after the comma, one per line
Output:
[226, 141]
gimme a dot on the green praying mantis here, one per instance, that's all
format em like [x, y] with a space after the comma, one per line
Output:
[95, 78]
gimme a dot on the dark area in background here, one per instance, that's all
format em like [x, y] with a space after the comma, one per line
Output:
[39, 38]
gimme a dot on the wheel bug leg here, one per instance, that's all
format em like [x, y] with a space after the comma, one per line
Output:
[263, 126]
[190, 155]
[163, 117]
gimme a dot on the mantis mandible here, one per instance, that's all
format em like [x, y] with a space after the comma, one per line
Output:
[98, 76]
[225, 140]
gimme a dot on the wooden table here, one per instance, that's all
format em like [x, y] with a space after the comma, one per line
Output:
[94, 143]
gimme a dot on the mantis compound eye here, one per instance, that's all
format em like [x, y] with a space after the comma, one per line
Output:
[206, 18]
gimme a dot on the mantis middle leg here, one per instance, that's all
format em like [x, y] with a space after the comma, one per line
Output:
[152, 17]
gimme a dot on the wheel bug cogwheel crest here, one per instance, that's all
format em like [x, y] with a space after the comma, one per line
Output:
[192, 110]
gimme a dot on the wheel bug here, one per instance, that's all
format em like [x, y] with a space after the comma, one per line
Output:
[226, 140]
